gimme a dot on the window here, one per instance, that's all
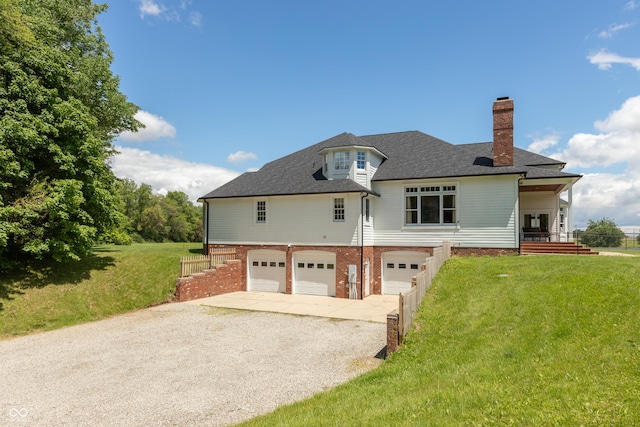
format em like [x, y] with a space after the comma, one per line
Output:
[361, 160]
[367, 209]
[341, 160]
[261, 211]
[338, 209]
[430, 204]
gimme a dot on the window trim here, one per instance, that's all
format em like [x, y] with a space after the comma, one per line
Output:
[257, 211]
[367, 210]
[341, 161]
[420, 190]
[335, 215]
[363, 160]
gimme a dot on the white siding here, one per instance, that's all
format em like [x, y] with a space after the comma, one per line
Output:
[374, 164]
[486, 208]
[296, 220]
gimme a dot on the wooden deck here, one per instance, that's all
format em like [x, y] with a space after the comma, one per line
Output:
[567, 248]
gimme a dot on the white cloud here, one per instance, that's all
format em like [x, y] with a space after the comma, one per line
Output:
[608, 33]
[195, 18]
[610, 195]
[631, 4]
[605, 60]
[150, 7]
[627, 118]
[169, 13]
[167, 173]
[240, 156]
[618, 143]
[598, 196]
[155, 128]
[543, 143]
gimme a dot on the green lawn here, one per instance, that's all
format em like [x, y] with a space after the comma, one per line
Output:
[115, 279]
[557, 342]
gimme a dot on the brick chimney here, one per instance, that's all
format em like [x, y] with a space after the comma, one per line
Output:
[503, 132]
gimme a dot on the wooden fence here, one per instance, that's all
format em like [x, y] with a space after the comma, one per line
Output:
[410, 301]
[198, 263]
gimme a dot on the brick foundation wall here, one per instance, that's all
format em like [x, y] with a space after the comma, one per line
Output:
[220, 280]
[345, 256]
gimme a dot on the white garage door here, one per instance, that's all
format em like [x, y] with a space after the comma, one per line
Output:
[267, 271]
[398, 268]
[314, 273]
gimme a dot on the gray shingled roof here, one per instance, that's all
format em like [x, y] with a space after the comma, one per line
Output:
[410, 155]
[521, 157]
[297, 173]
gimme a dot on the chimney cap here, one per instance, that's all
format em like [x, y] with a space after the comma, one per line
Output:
[502, 98]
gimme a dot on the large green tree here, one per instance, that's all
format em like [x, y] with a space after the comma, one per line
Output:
[60, 108]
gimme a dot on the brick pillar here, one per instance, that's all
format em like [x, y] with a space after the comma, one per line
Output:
[393, 319]
[503, 132]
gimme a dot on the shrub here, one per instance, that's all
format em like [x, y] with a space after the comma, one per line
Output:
[602, 234]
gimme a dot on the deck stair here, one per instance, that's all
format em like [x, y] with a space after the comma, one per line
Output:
[567, 248]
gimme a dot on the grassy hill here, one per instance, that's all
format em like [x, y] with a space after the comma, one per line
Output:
[527, 341]
[114, 280]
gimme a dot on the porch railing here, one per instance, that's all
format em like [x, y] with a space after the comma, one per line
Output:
[198, 263]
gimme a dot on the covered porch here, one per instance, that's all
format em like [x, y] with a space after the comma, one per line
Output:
[545, 210]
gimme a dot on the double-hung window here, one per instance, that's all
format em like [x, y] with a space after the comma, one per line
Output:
[338, 209]
[261, 211]
[430, 205]
[341, 160]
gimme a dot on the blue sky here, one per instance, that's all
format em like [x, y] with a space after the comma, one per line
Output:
[225, 87]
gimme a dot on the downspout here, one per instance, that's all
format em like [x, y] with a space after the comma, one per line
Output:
[206, 227]
[362, 197]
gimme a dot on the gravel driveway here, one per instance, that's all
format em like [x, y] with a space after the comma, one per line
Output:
[179, 364]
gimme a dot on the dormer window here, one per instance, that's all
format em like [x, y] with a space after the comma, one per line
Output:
[341, 160]
[361, 160]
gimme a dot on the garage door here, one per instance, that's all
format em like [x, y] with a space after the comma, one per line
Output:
[398, 268]
[314, 273]
[267, 271]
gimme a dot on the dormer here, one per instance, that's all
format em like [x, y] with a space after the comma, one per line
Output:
[354, 162]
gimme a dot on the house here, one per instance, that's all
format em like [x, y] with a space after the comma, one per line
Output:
[357, 215]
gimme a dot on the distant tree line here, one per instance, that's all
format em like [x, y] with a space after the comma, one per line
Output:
[147, 217]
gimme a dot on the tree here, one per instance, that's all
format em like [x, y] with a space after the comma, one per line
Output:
[60, 108]
[156, 217]
[602, 234]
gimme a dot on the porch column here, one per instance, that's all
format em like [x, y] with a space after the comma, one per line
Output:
[570, 214]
